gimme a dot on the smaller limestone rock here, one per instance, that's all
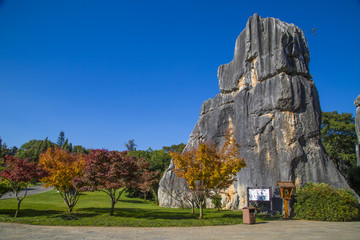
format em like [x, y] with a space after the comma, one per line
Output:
[357, 101]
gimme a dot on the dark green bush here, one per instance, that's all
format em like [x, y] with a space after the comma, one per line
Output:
[319, 201]
[216, 200]
[4, 187]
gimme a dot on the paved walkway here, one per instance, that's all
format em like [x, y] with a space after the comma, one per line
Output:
[292, 229]
[31, 191]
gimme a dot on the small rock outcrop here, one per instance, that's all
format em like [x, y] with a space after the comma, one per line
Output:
[357, 128]
[268, 99]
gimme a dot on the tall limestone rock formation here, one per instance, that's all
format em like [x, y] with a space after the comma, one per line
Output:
[357, 128]
[268, 99]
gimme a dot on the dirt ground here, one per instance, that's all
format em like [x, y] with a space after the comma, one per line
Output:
[290, 229]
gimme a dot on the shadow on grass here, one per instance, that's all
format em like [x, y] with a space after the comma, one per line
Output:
[142, 213]
[133, 201]
[74, 215]
[225, 215]
[161, 214]
[30, 212]
[138, 213]
[269, 217]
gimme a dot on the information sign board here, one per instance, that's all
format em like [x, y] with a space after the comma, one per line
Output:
[259, 194]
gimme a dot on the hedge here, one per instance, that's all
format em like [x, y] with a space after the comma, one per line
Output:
[319, 201]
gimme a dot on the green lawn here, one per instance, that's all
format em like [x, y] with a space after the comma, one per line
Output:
[93, 210]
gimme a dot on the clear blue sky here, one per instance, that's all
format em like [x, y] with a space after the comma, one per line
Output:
[109, 71]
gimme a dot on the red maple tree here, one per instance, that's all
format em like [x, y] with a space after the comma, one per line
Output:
[109, 171]
[19, 173]
[149, 182]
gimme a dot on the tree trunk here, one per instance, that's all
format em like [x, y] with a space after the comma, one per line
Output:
[18, 208]
[192, 207]
[70, 208]
[112, 208]
[144, 197]
[201, 210]
[156, 197]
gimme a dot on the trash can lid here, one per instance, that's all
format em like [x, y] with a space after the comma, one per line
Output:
[249, 208]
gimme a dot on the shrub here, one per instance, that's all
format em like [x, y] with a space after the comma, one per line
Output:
[4, 187]
[319, 201]
[216, 200]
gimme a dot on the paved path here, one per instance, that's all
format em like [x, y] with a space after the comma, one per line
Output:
[31, 191]
[292, 229]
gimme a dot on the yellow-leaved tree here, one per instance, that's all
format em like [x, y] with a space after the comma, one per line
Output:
[208, 169]
[62, 168]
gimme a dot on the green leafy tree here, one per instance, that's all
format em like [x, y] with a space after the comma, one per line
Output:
[80, 149]
[145, 154]
[175, 148]
[338, 137]
[33, 149]
[159, 160]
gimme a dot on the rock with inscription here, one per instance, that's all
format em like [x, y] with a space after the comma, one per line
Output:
[269, 102]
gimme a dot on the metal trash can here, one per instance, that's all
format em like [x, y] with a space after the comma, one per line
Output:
[249, 215]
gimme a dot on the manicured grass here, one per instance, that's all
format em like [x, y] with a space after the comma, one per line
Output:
[93, 209]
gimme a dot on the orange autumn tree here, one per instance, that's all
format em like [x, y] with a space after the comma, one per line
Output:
[208, 169]
[62, 167]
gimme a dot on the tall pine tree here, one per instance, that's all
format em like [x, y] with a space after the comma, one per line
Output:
[61, 139]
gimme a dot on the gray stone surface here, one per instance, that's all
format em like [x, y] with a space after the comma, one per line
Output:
[357, 101]
[268, 99]
[269, 230]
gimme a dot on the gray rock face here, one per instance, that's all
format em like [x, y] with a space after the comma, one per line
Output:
[268, 99]
[357, 101]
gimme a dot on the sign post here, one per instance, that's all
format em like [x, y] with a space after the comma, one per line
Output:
[286, 189]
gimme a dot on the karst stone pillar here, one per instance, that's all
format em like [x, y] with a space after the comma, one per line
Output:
[269, 101]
